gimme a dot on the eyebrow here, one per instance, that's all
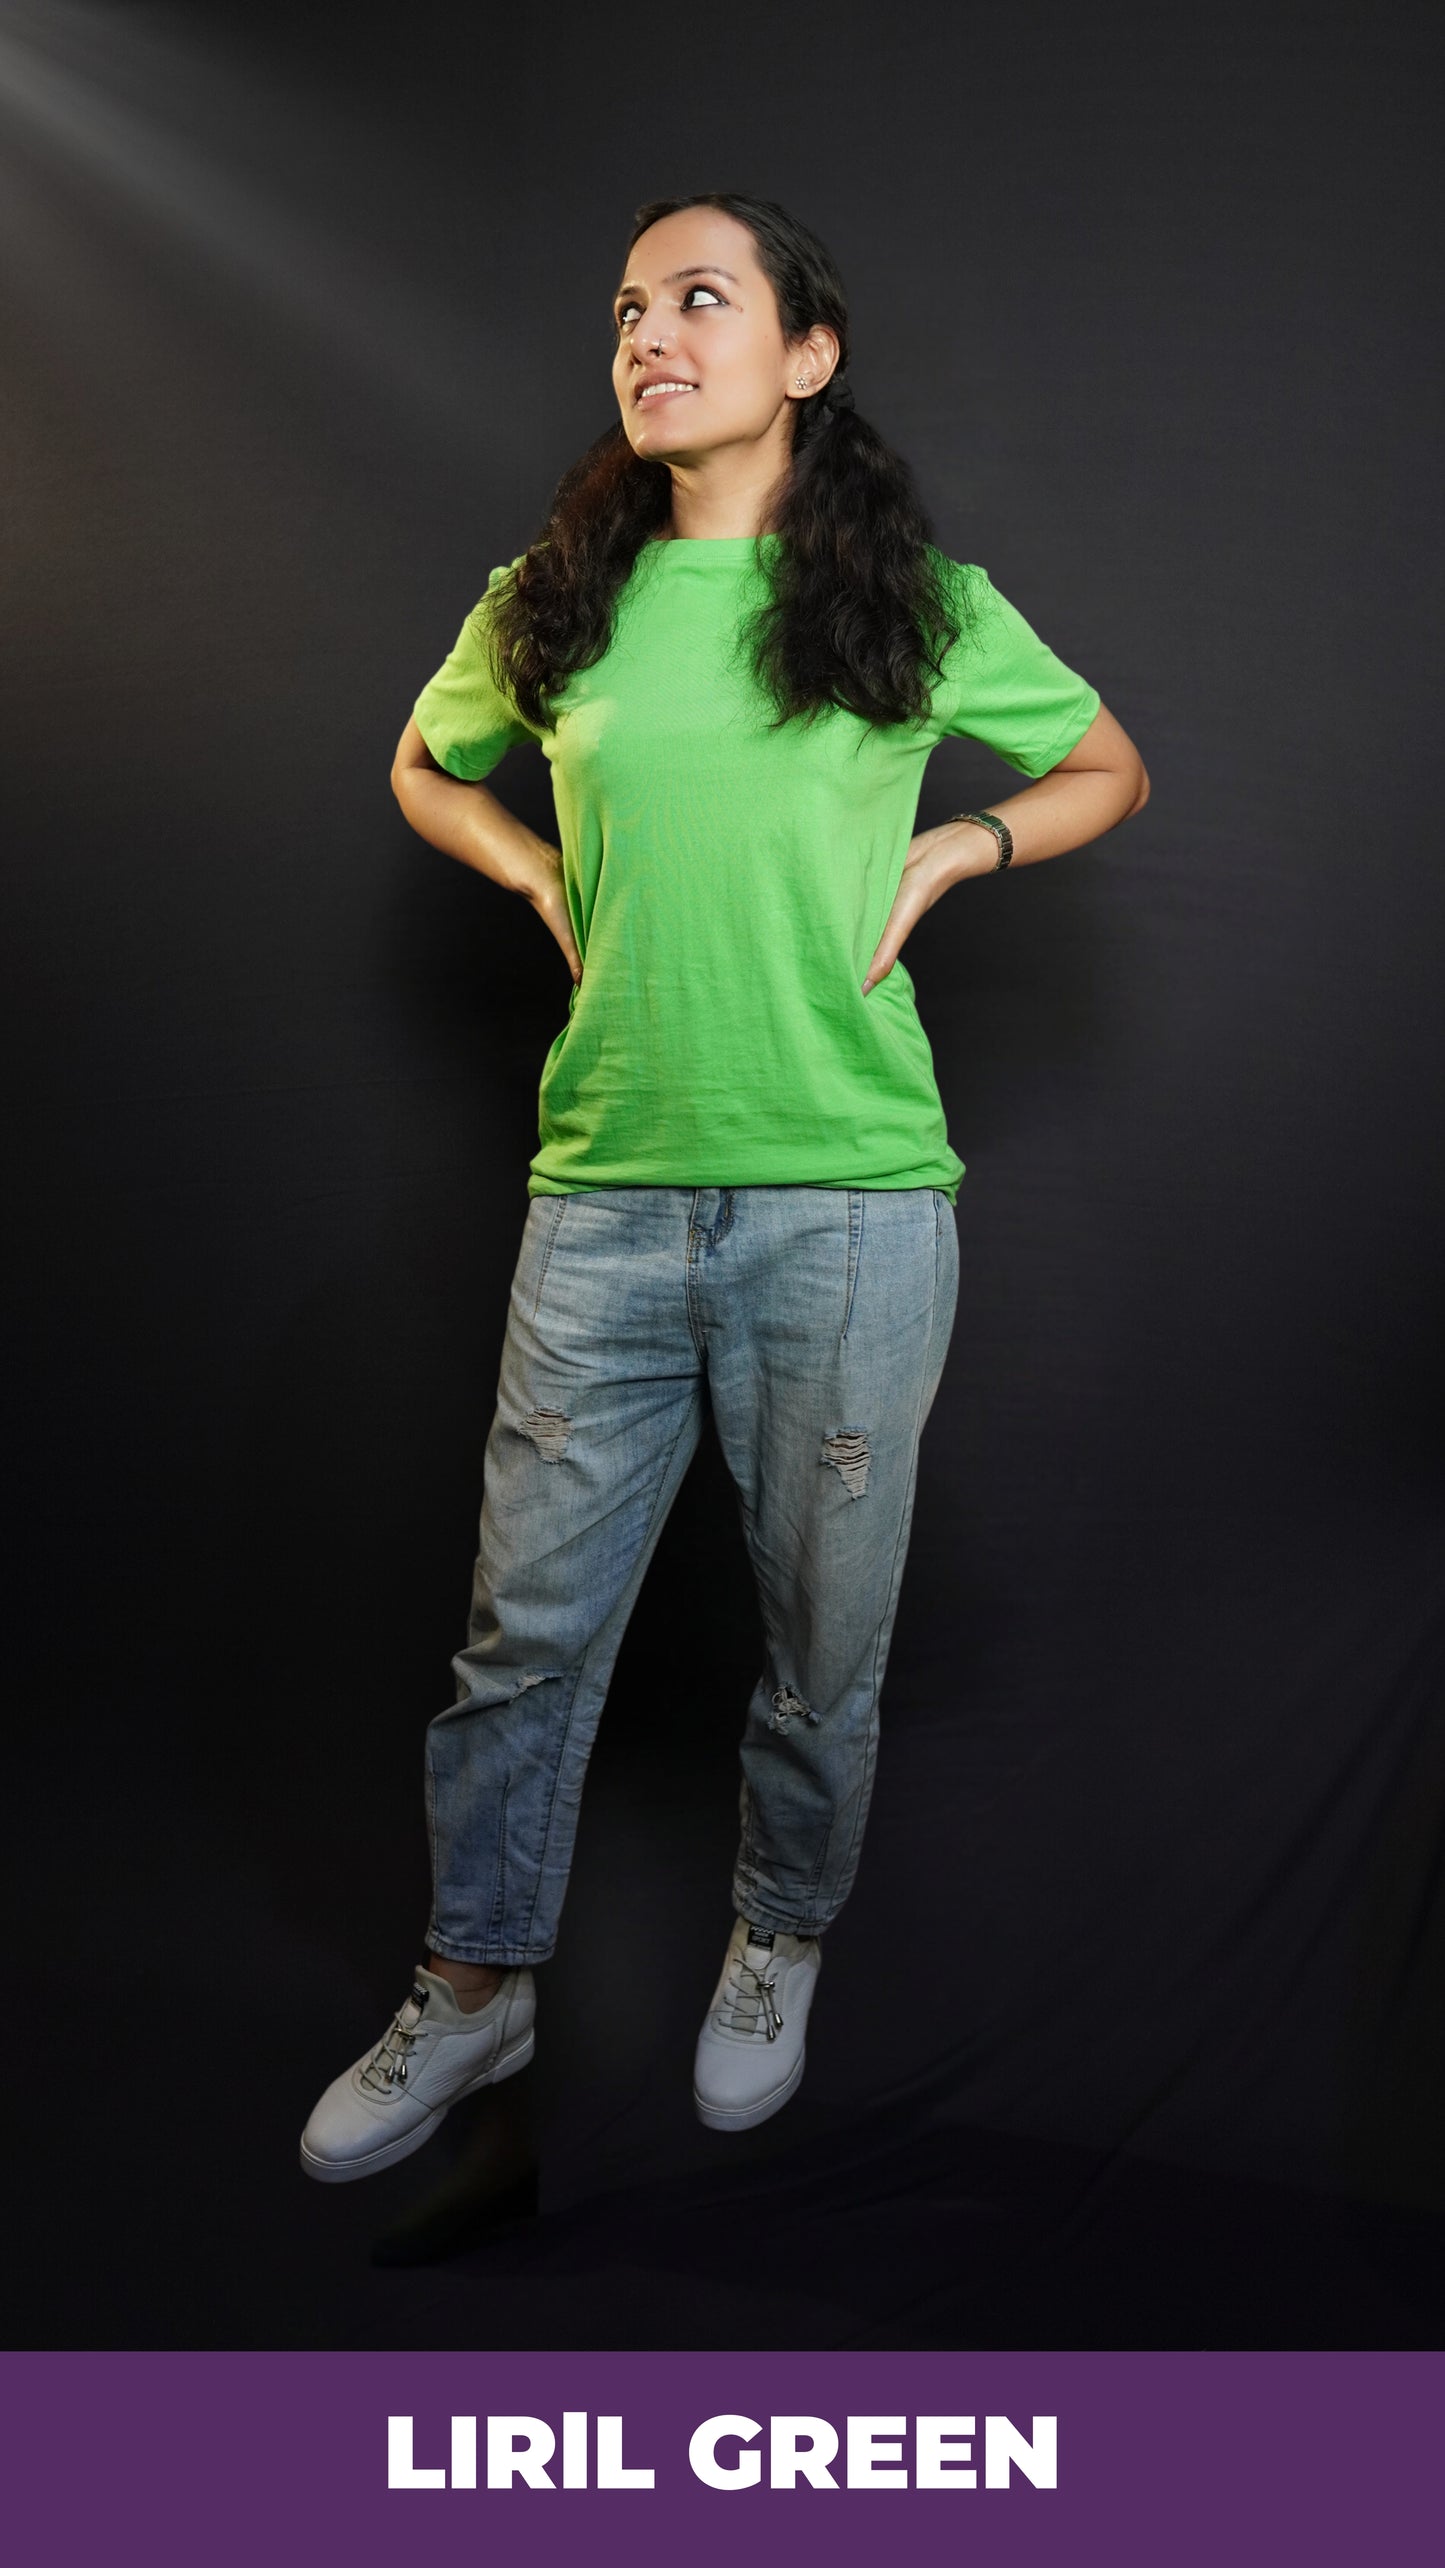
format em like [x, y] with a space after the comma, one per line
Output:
[676, 278]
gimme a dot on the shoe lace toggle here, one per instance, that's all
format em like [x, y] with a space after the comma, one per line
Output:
[386, 2069]
[745, 2008]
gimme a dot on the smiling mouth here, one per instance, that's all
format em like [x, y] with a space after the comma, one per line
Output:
[663, 391]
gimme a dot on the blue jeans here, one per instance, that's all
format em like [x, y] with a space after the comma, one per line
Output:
[818, 1318]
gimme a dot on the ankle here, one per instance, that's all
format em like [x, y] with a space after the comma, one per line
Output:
[474, 1984]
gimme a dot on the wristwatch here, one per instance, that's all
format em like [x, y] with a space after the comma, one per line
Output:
[1000, 828]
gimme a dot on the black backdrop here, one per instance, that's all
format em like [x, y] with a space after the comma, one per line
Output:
[1130, 2033]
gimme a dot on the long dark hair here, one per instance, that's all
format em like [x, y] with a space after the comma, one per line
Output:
[859, 613]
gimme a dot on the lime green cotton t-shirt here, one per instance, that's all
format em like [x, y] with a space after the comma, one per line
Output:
[728, 883]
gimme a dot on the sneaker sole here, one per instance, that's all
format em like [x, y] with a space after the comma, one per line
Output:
[345, 2171]
[744, 2117]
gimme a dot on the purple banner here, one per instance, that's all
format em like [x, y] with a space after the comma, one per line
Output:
[1165, 2460]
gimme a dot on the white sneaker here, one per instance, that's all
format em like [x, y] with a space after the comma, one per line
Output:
[394, 2097]
[750, 2051]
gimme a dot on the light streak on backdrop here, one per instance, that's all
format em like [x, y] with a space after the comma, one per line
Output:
[149, 129]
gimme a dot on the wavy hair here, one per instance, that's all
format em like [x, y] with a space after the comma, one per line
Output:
[859, 612]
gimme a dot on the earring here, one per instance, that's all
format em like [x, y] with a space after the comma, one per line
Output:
[802, 382]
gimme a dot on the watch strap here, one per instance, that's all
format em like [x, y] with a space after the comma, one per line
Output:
[1001, 831]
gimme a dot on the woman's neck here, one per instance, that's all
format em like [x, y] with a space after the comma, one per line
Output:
[731, 493]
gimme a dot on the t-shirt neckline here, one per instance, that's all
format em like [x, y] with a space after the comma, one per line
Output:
[718, 548]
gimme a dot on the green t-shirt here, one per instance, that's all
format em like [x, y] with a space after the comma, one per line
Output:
[728, 884]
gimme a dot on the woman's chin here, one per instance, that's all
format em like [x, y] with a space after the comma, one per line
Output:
[659, 444]
[666, 432]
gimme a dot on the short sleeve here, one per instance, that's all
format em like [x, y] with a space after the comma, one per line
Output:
[1002, 685]
[465, 718]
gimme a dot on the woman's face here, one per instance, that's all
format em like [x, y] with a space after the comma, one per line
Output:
[697, 315]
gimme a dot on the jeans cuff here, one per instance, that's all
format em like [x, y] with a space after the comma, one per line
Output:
[507, 1958]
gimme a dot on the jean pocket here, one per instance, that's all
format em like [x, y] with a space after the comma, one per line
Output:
[855, 1252]
[945, 1234]
[544, 1239]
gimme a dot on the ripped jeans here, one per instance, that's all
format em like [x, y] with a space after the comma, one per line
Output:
[818, 1319]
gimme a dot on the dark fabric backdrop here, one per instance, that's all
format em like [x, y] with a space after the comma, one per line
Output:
[1131, 2031]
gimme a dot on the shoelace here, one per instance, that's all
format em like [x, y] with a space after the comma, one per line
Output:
[386, 2067]
[742, 2007]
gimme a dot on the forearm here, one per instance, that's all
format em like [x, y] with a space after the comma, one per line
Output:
[468, 822]
[1064, 809]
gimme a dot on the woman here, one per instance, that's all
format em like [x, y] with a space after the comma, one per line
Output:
[736, 645]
